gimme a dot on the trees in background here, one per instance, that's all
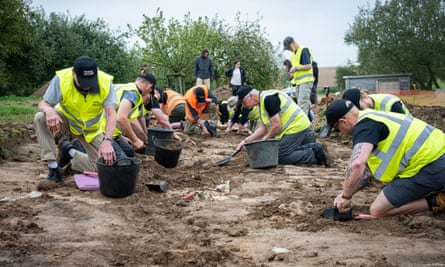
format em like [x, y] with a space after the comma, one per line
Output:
[15, 41]
[171, 47]
[340, 72]
[246, 41]
[59, 39]
[33, 46]
[402, 36]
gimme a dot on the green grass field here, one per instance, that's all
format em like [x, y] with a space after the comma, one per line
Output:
[15, 109]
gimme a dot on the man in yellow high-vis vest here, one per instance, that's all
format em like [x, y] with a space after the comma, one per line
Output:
[383, 102]
[282, 119]
[79, 101]
[301, 71]
[397, 149]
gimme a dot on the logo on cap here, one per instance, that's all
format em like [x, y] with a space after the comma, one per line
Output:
[87, 73]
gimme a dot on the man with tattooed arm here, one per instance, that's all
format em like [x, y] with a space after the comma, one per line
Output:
[400, 150]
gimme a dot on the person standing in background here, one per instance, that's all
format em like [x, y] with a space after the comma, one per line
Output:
[314, 99]
[237, 77]
[301, 71]
[203, 69]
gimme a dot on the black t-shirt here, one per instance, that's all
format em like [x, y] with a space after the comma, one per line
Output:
[272, 104]
[153, 103]
[369, 131]
[397, 107]
[222, 108]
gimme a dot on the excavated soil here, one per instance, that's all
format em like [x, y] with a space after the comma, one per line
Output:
[237, 216]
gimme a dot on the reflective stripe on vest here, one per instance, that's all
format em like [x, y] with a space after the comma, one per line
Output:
[301, 76]
[410, 145]
[136, 111]
[384, 102]
[292, 119]
[85, 113]
[173, 100]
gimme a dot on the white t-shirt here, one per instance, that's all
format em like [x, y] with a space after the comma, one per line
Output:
[236, 77]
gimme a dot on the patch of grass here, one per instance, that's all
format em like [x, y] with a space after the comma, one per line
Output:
[14, 109]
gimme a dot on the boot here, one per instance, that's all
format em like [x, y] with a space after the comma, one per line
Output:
[320, 154]
[439, 205]
[64, 157]
[211, 129]
[54, 175]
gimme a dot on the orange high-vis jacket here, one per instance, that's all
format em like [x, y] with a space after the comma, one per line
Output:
[173, 100]
[192, 102]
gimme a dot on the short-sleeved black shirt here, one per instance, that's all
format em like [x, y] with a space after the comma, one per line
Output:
[397, 107]
[152, 104]
[369, 131]
[272, 104]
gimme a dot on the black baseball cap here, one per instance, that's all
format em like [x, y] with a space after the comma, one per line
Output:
[337, 110]
[242, 92]
[200, 95]
[353, 95]
[85, 68]
[148, 77]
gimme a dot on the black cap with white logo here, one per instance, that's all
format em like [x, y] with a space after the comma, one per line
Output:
[85, 68]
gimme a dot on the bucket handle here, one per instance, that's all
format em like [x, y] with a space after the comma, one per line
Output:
[120, 162]
[182, 144]
[123, 162]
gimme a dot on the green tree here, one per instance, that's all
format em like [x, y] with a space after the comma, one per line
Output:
[34, 46]
[246, 42]
[59, 39]
[402, 36]
[171, 47]
[15, 38]
[342, 71]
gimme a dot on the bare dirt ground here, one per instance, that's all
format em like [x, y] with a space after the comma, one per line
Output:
[270, 217]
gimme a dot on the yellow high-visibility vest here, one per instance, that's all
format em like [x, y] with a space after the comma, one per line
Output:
[293, 120]
[301, 76]
[411, 145]
[384, 102]
[136, 111]
[85, 113]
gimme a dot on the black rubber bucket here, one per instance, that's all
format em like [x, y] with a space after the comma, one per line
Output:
[119, 179]
[157, 133]
[167, 152]
[263, 154]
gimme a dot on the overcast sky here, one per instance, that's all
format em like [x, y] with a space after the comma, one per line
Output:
[319, 24]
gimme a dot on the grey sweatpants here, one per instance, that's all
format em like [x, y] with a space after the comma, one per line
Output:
[303, 92]
[296, 148]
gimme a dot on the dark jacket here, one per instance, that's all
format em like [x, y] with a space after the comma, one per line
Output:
[229, 74]
[203, 68]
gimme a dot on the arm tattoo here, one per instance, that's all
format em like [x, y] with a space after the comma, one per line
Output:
[355, 153]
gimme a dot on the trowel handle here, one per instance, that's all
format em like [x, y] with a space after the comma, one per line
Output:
[235, 153]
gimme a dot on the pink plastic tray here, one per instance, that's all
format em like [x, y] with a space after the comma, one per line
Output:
[86, 182]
